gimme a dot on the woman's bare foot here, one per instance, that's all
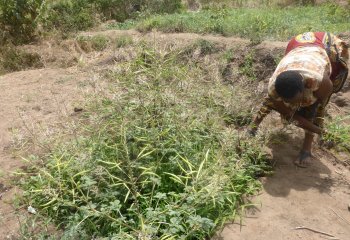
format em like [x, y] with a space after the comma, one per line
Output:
[304, 160]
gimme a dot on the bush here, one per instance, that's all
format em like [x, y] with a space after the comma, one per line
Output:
[119, 10]
[18, 20]
[162, 6]
[68, 16]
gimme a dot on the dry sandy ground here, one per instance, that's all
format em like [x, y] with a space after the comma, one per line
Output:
[316, 197]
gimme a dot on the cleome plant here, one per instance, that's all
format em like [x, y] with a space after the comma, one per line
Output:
[155, 159]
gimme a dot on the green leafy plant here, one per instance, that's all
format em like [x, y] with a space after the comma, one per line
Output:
[246, 68]
[99, 42]
[155, 161]
[68, 16]
[337, 134]
[18, 20]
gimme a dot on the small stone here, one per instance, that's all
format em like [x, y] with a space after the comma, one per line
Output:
[31, 210]
[36, 108]
[78, 109]
[349, 207]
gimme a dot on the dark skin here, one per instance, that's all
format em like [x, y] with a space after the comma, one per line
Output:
[322, 94]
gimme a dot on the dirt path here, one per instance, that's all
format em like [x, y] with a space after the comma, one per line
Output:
[316, 197]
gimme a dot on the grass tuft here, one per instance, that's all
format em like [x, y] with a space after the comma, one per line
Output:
[338, 134]
[96, 43]
[123, 41]
[14, 59]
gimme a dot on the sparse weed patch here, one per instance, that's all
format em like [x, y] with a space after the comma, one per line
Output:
[246, 68]
[338, 134]
[158, 161]
[89, 43]
[123, 41]
[197, 49]
[99, 42]
[13, 59]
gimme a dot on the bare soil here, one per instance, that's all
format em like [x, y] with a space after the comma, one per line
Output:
[317, 197]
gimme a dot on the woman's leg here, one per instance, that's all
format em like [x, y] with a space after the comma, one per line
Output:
[305, 157]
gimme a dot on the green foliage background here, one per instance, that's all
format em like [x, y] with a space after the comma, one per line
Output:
[23, 20]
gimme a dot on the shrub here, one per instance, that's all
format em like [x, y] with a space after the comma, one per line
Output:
[162, 6]
[119, 10]
[68, 16]
[18, 20]
[246, 68]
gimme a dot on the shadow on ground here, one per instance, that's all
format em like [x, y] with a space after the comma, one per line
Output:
[285, 148]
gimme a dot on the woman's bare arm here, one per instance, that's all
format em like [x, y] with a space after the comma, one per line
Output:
[300, 121]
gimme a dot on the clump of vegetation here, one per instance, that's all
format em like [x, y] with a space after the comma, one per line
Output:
[156, 160]
[67, 16]
[23, 21]
[99, 42]
[198, 48]
[162, 6]
[239, 119]
[338, 134]
[14, 59]
[96, 43]
[18, 20]
[123, 41]
[246, 68]
[253, 3]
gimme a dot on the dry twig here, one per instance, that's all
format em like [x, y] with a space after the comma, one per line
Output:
[340, 216]
[313, 230]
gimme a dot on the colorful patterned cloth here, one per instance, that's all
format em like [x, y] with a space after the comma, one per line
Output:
[326, 58]
[312, 63]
